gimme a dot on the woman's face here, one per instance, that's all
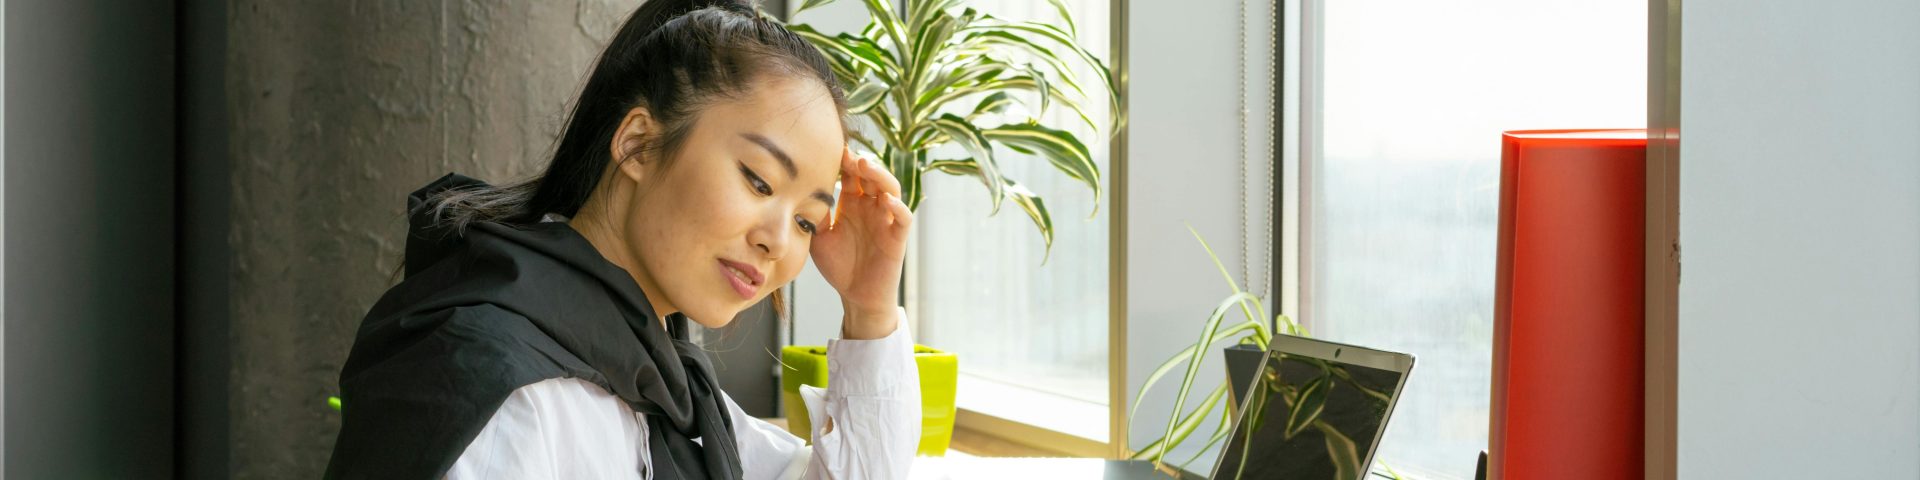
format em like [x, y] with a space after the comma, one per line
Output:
[730, 218]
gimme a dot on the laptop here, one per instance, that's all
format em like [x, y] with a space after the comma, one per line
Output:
[1316, 410]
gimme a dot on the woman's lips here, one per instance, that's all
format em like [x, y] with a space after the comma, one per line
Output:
[744, 279]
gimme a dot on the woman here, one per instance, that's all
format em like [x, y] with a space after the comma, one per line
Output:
[540, 331]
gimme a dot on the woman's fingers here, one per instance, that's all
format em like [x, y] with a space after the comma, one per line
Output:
[851, 177]
[881, 179]
[902, 216]
[865, 177]
[870, 196]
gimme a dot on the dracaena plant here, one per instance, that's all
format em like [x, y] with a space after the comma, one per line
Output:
[930, 76]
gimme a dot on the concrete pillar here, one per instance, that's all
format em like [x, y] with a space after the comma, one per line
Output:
[337, 110]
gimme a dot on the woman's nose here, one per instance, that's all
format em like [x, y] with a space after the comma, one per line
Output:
[770, 238]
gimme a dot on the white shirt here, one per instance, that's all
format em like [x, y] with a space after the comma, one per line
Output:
[566, 428]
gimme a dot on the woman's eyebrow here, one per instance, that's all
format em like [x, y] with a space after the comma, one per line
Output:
[786, 163]
[778, 154]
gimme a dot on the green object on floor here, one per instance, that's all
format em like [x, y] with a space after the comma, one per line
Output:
[939, 370]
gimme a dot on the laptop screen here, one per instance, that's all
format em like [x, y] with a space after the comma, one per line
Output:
[1309, 418]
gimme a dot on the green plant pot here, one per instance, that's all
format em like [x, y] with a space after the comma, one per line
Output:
[939, 370]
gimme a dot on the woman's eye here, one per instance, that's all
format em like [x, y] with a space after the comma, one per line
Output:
[753, 180]
[805, 225]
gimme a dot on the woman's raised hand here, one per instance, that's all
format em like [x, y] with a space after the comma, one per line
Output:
[861, 253]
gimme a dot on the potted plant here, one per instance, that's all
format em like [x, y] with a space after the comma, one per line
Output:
[926, 79]
[1250, 335]
[939, 370]
[1243, 355]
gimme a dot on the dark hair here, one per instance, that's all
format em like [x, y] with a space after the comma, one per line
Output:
[674, 57]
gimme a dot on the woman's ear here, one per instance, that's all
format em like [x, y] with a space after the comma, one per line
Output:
[630, 140]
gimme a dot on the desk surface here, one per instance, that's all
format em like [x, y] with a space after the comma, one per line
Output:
[943, 468]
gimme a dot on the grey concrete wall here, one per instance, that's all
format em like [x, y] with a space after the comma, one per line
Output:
[1799, 303]
[336, 111]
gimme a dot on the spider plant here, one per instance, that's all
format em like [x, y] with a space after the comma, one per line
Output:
[929, 77]
[1252, 331]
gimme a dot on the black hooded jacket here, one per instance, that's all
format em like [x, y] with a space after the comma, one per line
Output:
[499, 307]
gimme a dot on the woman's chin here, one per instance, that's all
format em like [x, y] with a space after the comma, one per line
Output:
[716, 316]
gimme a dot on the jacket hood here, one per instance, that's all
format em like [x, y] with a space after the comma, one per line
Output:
[430, 240]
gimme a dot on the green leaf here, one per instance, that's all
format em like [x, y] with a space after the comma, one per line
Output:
[1292, 327]
[1219, 433]
[1059, 147]
[1037, 210]
[1043, 83]
[905, 167]
[883, 121]
[881, 12]
[1307, 405]
[972, 72]
[1065, 16]
[1028, 201]
[1206, 340]
[919, 12]
[1249, 311]
[1180, 427]
[841, 63]
[849, 55]
[1258, 410]
[1065, 39]
[881, 61]
[1391, 473]
[809, 5]
[970, 138]
[928, 41]
[1040, 84]
[1178, 358]
[995, 103]
[955, 167]
[959, 72]
[865, 97]
[1020, 82]
[1045, 55]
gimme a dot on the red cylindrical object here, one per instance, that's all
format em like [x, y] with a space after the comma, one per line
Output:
[1569, 329]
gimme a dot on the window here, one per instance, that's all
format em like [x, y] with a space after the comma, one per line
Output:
[1404, 181]
[1032, 335]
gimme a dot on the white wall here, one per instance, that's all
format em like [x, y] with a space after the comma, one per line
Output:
[1800, 239]
[1184, 169]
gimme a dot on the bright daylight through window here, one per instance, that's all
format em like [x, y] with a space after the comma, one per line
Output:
[1405, 188]
[1033, 325]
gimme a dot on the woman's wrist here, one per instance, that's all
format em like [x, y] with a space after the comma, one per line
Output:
[868, 323]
